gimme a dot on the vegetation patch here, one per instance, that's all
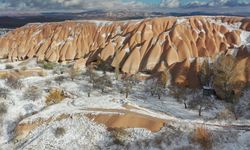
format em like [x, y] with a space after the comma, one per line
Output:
[13, 82]
[119, 135]
[59, 131]
[54, 97]
[47, 65]
[3, 109]
[8, 66]
[4, 92]
[203, 137]
[32, 93]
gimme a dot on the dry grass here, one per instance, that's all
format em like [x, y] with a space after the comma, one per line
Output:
[119, 135]
[54, 97]
[225, 114]
[202, 136]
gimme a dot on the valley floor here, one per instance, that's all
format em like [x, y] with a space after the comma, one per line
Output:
[108, 120]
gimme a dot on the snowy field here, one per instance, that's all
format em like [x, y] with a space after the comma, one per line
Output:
[29, 122]
[82, 116]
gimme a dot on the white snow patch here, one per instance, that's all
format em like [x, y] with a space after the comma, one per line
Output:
[127, 50]
[181, 20]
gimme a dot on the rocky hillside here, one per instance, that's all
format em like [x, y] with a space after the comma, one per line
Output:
[143, 45]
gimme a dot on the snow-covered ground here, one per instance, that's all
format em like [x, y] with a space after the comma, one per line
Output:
[83, 132]
[33, 124]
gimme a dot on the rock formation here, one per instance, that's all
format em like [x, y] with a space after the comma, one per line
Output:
[145, 45]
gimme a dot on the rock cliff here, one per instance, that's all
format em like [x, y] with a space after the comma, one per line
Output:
[141, 45]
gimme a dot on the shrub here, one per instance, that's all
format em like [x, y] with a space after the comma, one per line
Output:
[59, 69]
[128, 83]
[199, 102]
[54, 97]
[158, 88]
[225, 114]
[202, 136]
[104, 66]
[103, 82]
[8, 66]
[24, 68]
[73, 73]
[180, 94]
[59, 79]
[32, 93]
[14, 82]
[119, 135]
[4, 93]
[3, 109]
[47, 65]
[59, 131]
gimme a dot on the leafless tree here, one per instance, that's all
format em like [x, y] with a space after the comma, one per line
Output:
[4, 92]
[200, 102]
[73, 73]
[91, 78]
[3, 109]
[179, 93]
[103, 82]
[128, 83]
[32, 93]
[14, 82]
[59, 79]
[158, 88]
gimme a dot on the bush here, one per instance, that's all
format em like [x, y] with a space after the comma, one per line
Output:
[24, 68]
[103, 82]
[128, 83]
[32, 93]
[54, 97]
[119, 135]
[59, 79]
[225, 114]
[158, 88]
[59, 131]
[4, 93]
[180, 94]
[47, 65]
[73, 73]
[14, 82]
[59, 69]
[8, 66]
[3, 109]
[202, 136]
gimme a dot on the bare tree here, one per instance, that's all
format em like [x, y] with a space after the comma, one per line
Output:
[59, 79]
[128, 83]
[158, 88]
[103, 82]
[32, 93]
[91, 78]
[4, 92]
[3, 109]
[14, 82]
[199, 102]
[73, 73]
[104, 66]
[179, 93]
